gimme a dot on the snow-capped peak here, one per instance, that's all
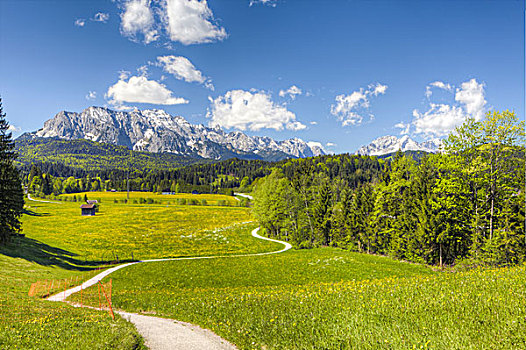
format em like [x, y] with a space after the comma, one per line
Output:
[390, 144]
[155, 130]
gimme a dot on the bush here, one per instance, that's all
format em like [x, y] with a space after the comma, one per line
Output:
[181, 201]
[203, 202]
[221, 202]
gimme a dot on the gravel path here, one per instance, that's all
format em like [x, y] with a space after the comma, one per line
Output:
[165, 334]
[38, 200]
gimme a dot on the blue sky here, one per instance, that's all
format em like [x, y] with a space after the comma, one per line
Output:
[341, 73]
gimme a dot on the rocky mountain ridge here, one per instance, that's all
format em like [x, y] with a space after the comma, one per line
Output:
[157, 131]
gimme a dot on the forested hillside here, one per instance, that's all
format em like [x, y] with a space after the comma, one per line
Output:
[80, 157]
[465, 204]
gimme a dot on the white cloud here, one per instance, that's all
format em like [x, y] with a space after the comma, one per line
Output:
[80, 22]
[137, 19]
[191, 22]
[141, 90]
[330, 144]
[185, 21]
[253, 110]
[437, 84]
[181, 68]
[271, 3]
[313, 123]
[471, 95]
[405, 127]
[349, 109]
[101, 17]
[292, 91]
[441, 85]
[441, 119]
[91, 95]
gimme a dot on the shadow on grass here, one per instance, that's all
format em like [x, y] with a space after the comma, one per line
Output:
[34, 213]
[46, 255]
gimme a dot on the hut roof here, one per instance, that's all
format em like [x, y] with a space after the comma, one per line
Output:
[87, 206]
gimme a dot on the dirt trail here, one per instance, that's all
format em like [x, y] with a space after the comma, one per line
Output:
[166, 334]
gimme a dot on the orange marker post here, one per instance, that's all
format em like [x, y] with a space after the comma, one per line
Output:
[108, 300]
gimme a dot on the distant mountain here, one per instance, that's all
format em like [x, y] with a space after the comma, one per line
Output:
[389, 144]
[157, 131]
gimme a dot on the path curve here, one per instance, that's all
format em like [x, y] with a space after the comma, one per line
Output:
[244, 195]
[161, 333]
[41, 201]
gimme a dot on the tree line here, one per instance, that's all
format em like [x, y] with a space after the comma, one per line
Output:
[464, 204]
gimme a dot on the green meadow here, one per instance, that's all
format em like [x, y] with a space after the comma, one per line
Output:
[33, 323]
[332, 299]
[121, 231]
[323, 298]
[61, 244]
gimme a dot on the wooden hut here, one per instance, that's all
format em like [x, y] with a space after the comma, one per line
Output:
[88, 209]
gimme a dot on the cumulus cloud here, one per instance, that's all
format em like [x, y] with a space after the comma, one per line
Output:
[330, 144]
[440, 119]
[80, 22]
[350, 109]
[184, 21]
[138, 19]
[101, 17]
[471, 95]
[139, 89]
[181, 68]
[292, 92]
[404, 126]
[91, 95]
[191, 22]
[271, 3]
[437, 84]
[252, 110]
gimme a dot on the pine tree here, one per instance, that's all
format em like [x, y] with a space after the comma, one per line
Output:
[11, 193]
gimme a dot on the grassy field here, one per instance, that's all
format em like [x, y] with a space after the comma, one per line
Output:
[59, 243]
[33, 323]
[332, 299]
[321, 298]
[141, 231]
[107, 197]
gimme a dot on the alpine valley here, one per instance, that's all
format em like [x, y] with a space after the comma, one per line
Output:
[157, 131]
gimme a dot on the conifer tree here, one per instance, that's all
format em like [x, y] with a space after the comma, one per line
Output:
[11, 193]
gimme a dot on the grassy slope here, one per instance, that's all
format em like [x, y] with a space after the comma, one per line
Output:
[32, 323]
[332, 299]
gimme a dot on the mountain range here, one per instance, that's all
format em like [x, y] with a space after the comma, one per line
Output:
[390, 144]
[157, 131]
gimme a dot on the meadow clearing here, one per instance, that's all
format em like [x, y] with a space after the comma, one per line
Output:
[61, 244]
[121, 231]
[323, 298]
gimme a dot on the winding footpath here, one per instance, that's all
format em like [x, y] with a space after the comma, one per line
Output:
[41, 201]
[161, 333]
